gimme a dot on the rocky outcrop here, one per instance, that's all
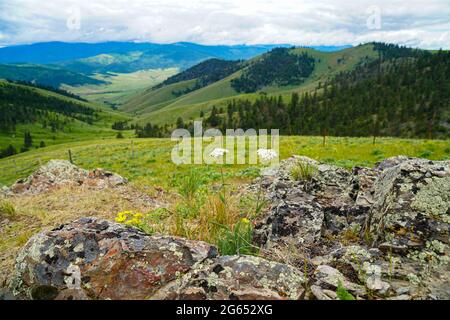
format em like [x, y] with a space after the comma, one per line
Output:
[298, 219]
[96, 259]
[382, 232]
[412, 204]
[59, 173]
[93, 258]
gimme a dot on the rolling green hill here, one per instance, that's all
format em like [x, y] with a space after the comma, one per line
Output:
[49, 117]
[45, 75]
[403, 93]
[166, 108]
[53, 118]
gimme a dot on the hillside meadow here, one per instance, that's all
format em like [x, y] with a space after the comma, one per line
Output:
[186, 201]
[148, 161]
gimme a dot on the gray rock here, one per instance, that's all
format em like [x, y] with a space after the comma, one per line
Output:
[102, 260]
[320, 294]
[59, 173]
[391, 162]
[237, 278]
[412, 207]
[327, 276]
[297, 219]
[96, 259]
[400, 297]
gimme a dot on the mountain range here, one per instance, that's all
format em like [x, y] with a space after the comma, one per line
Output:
[75, 64]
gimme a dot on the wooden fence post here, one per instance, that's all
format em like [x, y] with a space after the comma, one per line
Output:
[70, 156]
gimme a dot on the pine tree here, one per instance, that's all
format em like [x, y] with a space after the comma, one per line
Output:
[28, 140]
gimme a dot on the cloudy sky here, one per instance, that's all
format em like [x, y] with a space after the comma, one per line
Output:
[418, 23]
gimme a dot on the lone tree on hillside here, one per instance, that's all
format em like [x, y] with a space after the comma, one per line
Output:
[28, 140]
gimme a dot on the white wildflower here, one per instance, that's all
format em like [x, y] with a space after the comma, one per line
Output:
[267, 155]
[218, 153]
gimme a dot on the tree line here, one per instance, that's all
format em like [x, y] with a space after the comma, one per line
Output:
[278, 67]
[403, 93]
[399, 97]
[21, 105]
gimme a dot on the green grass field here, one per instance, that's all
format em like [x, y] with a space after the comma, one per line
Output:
[148, 161]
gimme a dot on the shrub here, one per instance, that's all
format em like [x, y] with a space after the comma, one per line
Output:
[377, 152]
[425, 154]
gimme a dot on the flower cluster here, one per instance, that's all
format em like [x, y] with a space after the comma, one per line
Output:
[218, 153]
[130, 218]
[267, 155]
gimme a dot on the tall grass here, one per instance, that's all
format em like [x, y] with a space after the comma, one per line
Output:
[7, 209]
[303, 171]
[238, 239]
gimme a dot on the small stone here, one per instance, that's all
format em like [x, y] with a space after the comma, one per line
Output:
[400, 297]
[330, 276]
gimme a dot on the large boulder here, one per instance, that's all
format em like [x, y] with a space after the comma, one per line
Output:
[238, 278]
[96, 259]
[385, 230]
[297, 219]
[333, 200]
[93, 258]
[412, 205]
[59, 173]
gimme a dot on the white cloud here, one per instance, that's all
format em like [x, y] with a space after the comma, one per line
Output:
[423, 23]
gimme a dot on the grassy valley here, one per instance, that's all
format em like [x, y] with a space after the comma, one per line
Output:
[115, 89]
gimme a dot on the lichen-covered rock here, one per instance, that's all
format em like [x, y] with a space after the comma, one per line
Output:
[384, 229]
[391, 162]
[329, 277]
[237, 278]
[59, 173]
[297, 217]
[412, 204]
[102, 260]
[334, 200]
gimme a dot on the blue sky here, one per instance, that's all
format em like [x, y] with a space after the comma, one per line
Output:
[415, 23]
